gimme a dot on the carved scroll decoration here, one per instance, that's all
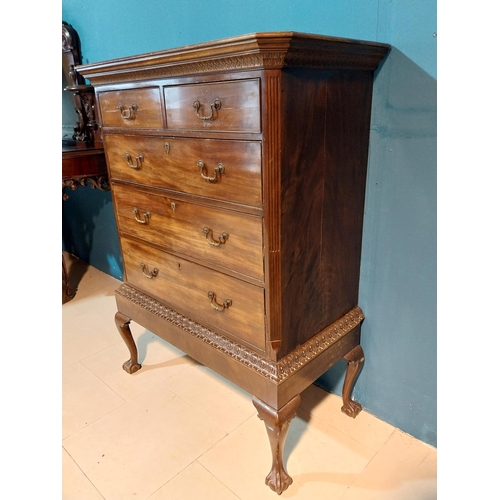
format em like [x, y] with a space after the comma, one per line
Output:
[277, 372]
[99, 182]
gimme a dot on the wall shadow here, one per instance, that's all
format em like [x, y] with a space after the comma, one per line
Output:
[398, 267]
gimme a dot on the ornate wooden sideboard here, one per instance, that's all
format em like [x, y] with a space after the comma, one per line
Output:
[83, 159]
[238, 171]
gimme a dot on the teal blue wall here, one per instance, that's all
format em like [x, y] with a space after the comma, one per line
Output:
[398, 269]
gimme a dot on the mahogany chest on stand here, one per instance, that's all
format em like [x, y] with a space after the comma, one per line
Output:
[237, 170]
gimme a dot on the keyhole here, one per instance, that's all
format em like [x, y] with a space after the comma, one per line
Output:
[179, 266]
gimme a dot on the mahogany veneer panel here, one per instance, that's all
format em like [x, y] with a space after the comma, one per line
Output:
[173, 163]
[137, 108]
[184, 227]
[322, 214]
[185, 286]
[238, 107]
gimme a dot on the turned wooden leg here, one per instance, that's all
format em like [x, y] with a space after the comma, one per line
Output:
[355, 358]
[123, 325]
[277, 423]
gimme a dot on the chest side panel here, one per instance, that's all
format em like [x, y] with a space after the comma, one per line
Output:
[324, 155]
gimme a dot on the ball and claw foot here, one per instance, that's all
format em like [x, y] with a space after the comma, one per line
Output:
[131, 367]
[352, 409]
[278, 481]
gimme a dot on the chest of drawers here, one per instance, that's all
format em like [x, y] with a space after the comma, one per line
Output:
[238, 169]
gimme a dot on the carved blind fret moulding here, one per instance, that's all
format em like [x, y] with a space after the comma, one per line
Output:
[275, 371]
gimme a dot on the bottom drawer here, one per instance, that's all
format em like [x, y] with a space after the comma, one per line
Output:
[207, 296]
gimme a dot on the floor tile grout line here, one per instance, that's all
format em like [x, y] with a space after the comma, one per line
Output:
[93, 354]
[83, 472]
[125, 403]
[99, 378]
[118, 342]
[196, 459]
[324, 421]
[85, 324]
[215, 477]
[394, 428]
[425, 458]
[208, 416]
[201, 413]
[367, 464]
[172, 478]
[228, 434]
[150, 388]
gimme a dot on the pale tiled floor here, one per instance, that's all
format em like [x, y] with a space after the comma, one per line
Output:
[176, 430]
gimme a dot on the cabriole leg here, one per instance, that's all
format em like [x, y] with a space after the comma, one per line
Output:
[355, 358]
[277, 424]
[123, 325]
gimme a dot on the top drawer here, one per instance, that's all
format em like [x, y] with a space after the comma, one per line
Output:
[221, 106]
[135, 108]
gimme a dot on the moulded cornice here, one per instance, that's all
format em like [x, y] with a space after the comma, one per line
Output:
[255, 51]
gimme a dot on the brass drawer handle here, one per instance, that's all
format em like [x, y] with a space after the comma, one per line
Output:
[153, 274]
[215, 106]
[209, 237]
[145, 216]
[128, 114]
[218, 307]
[138, 161]
[218, 170]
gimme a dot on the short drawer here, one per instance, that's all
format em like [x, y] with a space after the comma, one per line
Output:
[211, 298]
[221, 237]
[220, 106]
[223, 170]
[135, 108]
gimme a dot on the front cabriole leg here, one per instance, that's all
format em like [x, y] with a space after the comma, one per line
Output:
[277, 424]
[123, 325]
[355, 358]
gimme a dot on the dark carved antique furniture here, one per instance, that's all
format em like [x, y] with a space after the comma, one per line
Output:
[237, 170]
[83, 159]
